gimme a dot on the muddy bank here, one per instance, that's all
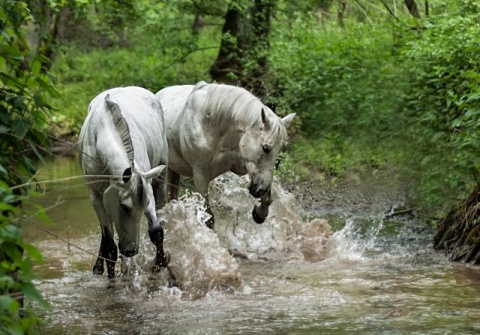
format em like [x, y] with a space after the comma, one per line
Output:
[360, 194]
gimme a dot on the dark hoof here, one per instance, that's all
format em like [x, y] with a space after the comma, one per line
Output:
[210, 223]
[111, 270]
[257, 218]
[162, 260]
[98, 269]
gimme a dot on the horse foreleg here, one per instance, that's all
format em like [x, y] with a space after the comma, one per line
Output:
[108, 253]
[260, 212]
[108, 249]
[155, 231]
[201, 182]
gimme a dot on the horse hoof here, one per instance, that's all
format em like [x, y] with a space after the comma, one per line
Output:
[257, 218]
[163, 260]
[210, 223]
[98, 271]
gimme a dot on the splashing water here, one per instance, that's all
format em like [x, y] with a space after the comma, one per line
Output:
[198, 263]
[282, 237]
[374, 276]
[350, 243]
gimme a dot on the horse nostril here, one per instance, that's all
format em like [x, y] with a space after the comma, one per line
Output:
[257, 192]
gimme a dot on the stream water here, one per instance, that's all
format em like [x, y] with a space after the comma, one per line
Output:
[289, 276]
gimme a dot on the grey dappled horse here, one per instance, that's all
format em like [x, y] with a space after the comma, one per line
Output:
[123, 150]
[212, 129]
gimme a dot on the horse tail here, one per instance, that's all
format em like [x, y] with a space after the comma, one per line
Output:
[173, 184]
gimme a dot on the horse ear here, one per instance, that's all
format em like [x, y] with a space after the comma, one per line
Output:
[266, 122]
[288, 119]
[153, 173]
[127, 175]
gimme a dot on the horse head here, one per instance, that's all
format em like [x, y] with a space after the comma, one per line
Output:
[259, 148]
[125, 200]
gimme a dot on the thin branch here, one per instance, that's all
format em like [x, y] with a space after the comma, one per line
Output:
[364, 11]
[393, 14]
[185, 56]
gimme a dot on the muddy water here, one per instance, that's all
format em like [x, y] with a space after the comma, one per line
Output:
[374, 276]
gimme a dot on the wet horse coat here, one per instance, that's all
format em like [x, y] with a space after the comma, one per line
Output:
[212, 129]
[123, 150]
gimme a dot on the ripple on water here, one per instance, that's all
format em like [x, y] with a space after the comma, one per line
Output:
[289, 277]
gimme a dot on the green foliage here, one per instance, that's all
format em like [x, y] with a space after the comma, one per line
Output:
[23, 97]
[25, 86]
[16, 270]
[338, 81]
[157, 51]
[443, 103]
[378, 87]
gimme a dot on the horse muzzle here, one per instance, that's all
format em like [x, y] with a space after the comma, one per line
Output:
[257, 191]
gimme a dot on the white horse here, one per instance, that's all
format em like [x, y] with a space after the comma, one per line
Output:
[123, 149]
[212, 129]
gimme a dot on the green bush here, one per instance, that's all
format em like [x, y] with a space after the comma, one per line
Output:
[444, 104]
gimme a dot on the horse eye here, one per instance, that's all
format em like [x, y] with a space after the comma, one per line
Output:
[125, 209]
[267, 148]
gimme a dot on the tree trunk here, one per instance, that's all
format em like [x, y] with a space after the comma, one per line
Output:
[49, 48]
[245, 42]
[413, 8]
[228, 64]
[259, 46]
[341, 13]
[49, 29]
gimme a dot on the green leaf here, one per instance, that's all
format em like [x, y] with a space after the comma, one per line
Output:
[36, 66]
[20, 128]
[11, 50]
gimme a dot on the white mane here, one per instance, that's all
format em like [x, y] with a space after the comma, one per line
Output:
[226, 105]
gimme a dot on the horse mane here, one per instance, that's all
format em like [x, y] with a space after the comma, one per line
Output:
[122, 128]
[228, 104]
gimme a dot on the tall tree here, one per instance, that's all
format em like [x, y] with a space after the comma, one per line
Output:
[413, 8]
[243, 54]
[228, 64]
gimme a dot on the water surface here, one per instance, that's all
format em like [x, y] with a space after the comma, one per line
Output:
[376, 277]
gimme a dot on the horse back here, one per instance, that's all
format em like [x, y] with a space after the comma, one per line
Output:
[100, 142]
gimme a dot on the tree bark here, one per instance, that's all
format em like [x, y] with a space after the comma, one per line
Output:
[245, 41]
[341, 13]
[259, 46]
[413, 8]
[228, 61]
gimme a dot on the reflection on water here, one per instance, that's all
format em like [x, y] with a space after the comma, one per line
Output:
[379, 277]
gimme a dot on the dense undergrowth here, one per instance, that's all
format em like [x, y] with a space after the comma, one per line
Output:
[371, 93]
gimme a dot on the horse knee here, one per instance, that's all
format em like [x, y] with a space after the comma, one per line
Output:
[156, 235]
